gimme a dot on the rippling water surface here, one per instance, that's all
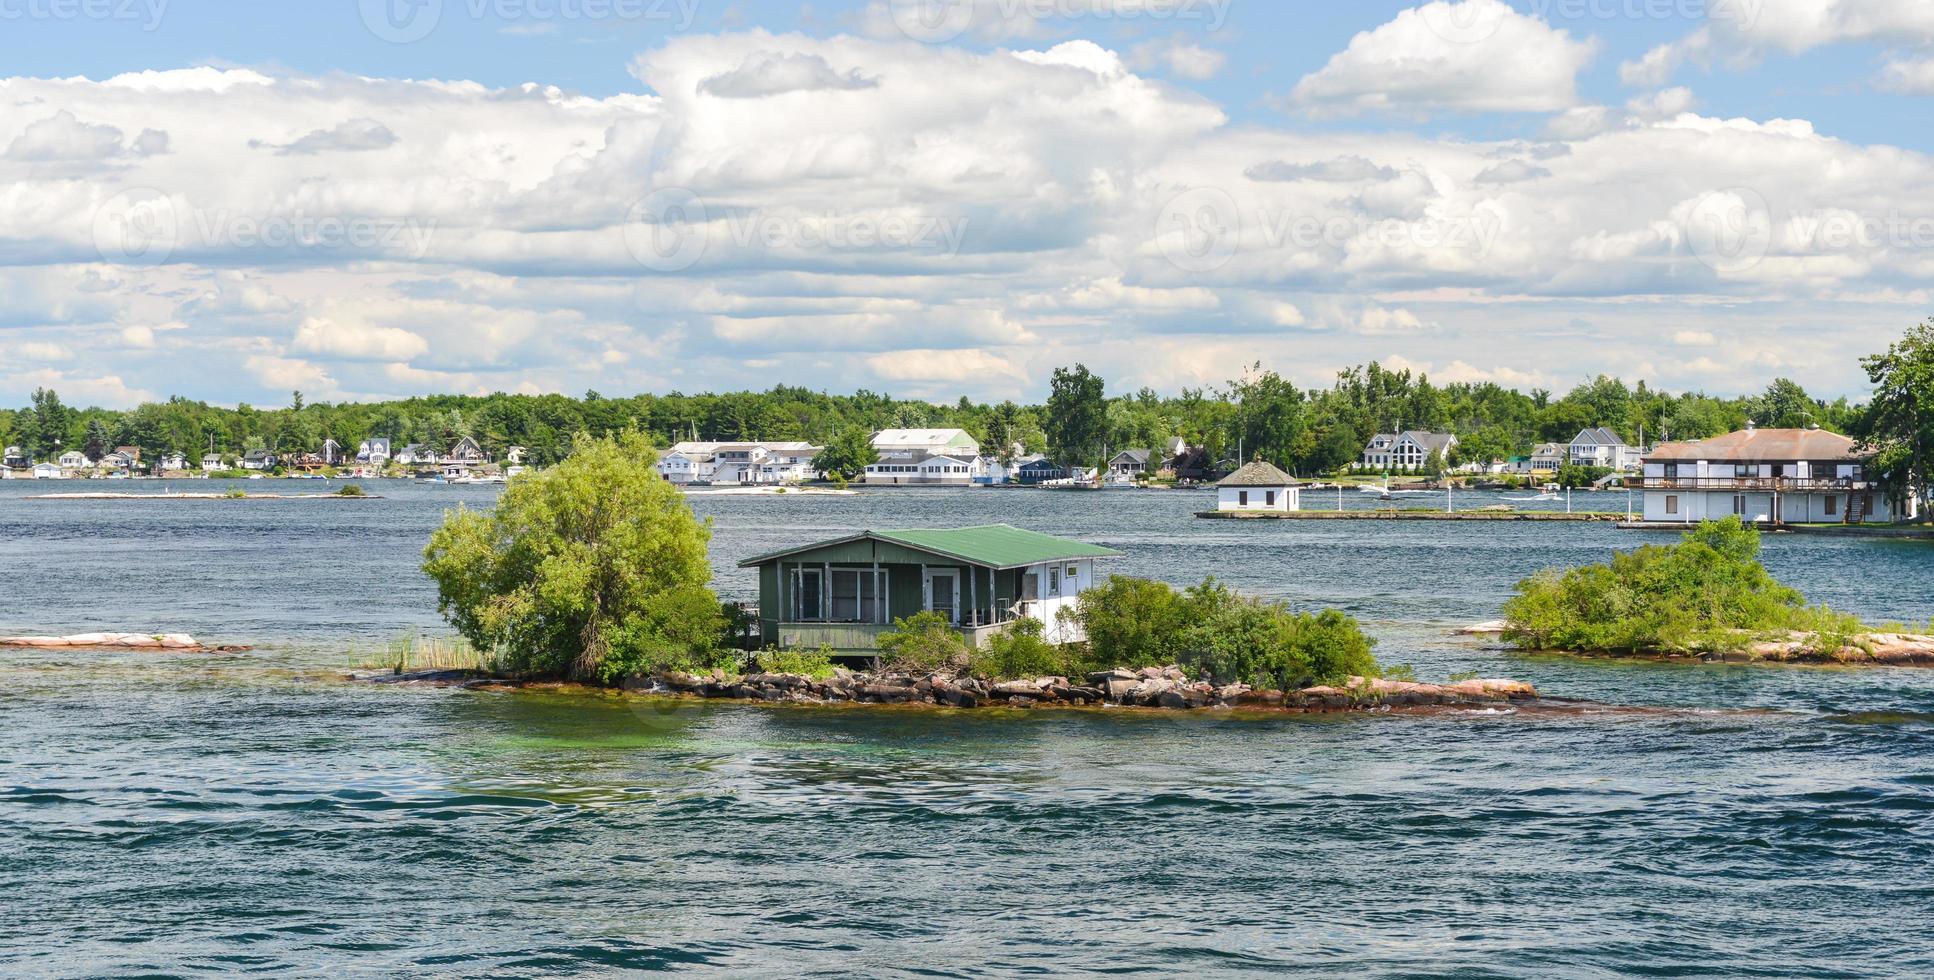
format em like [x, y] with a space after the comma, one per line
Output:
[183, 815]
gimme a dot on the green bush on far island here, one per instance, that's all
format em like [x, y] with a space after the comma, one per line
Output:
[924, 641]
[1708, 593]
[594, 569]
[1212, 632]
[1022, 652]
[816, 664]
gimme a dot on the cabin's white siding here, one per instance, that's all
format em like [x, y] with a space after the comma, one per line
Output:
[1266, 499]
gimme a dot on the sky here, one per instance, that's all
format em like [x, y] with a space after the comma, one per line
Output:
[365, 199]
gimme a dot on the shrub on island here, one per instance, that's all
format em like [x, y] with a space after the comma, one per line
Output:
[1211, 632]
[1708, 593]
[594, 569]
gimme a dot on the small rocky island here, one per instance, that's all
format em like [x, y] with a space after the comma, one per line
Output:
[1148, 687]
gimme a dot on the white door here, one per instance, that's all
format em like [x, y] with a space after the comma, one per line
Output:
[943, 593]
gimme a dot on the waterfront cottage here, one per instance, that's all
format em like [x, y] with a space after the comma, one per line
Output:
[1259, 487]
[72, 460]
[1036, 470]
[845, 592]
[1602, 448]
[210, 462]
[932, 471]
[1771, 476]
[1547, 458]
[1129, 465]
[1408, 450]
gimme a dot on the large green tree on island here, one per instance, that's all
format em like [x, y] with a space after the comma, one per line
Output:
[1077, 421]
[595, 569]
[1898, 427]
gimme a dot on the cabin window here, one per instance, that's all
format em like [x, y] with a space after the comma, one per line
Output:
[856, 595]
[1269, 498]
[1242, 498]
[1833, 506]
[1054, 581]
[1031, 585]
[1739, 504]
[1671, 504]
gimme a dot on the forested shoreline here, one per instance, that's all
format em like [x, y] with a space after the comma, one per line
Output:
[1259, 413]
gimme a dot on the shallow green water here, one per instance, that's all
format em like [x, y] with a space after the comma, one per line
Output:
[188, 815]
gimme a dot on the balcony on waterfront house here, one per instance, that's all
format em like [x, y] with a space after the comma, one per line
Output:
[1751, 484]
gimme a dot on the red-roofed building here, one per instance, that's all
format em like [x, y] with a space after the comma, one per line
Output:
[1769, 476]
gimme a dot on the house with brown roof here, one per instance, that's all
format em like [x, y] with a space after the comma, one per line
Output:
[1767, 476]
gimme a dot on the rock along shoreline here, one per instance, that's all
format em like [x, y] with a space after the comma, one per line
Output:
[1148, 687]
[1867, 650]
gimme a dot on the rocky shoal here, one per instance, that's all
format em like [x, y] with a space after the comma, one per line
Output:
[1149, 687]
[168, 642]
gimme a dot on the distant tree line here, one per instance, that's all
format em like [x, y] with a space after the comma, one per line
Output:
[1257, 415]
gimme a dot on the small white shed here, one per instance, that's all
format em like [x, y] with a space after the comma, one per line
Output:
[1259, 487]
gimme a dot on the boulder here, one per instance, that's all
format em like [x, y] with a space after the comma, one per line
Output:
[1260, 699]
[955, 696]
[1172, 698]
[1119, 688]
[678, 680]
[1020, 689]
[1119, 673]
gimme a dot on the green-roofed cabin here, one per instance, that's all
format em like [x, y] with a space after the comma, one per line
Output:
[844, 593]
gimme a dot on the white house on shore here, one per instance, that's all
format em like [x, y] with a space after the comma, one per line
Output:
[931, 471]
[1601, 447]
[1261, 487]
[1407, 450]
[738, 462]
[1770, 476]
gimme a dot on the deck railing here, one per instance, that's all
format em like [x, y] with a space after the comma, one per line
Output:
[1749, 484]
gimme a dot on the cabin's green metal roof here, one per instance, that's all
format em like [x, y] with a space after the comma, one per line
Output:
[993, 546]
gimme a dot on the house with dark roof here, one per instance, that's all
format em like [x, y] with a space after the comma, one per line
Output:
[1037, 470]
[1767, 476]
[1259, 487]
[1601, 447]
[846, 592]
[1129, 465]
[1408, 450]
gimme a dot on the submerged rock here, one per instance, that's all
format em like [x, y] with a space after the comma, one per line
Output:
[107, 641]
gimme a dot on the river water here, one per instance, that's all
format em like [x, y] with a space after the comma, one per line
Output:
[191, 815]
